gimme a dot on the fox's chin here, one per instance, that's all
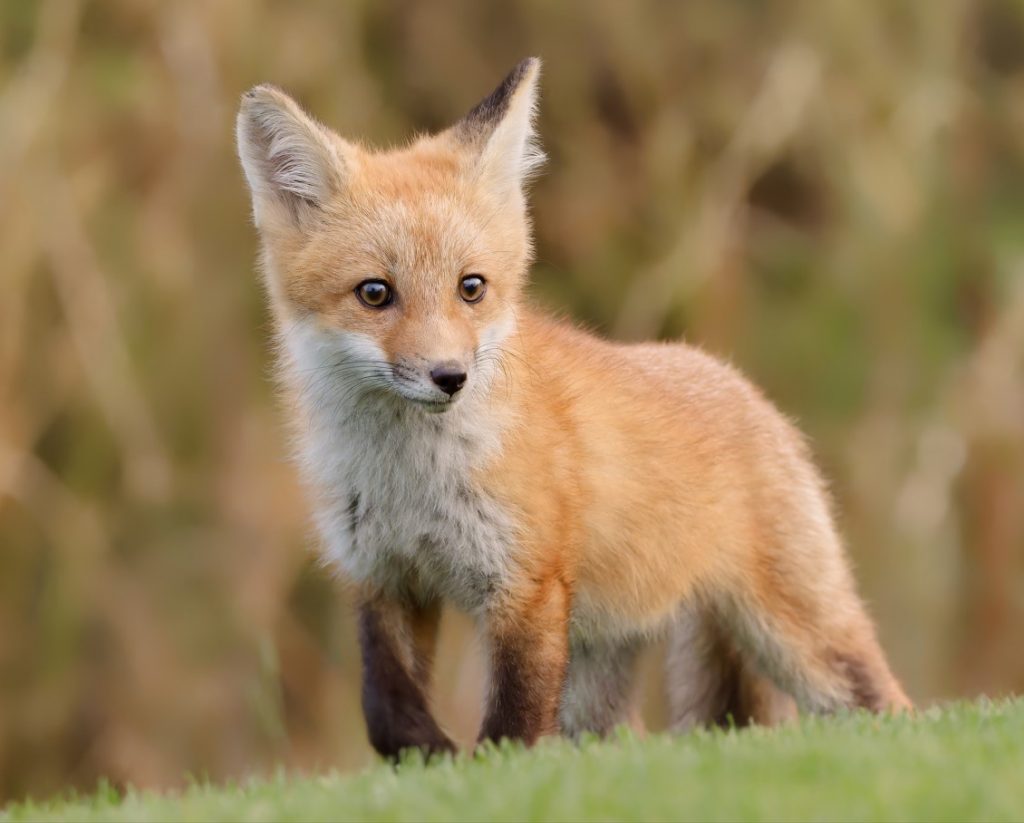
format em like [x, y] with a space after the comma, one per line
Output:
[435, 406]
[430, 405]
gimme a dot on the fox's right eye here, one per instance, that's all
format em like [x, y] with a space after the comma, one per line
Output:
[374, 293]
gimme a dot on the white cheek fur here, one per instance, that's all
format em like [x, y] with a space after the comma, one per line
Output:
[314, 348]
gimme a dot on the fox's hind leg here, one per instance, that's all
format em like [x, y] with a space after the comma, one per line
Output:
[710, 684]
[599, 688]
[796, 616]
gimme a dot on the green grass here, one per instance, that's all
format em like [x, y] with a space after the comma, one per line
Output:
[964, 762]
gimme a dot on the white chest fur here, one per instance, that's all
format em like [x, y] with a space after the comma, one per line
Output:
[396, 502]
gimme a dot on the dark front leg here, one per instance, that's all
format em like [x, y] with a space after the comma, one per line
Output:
[528, 632]
[397, 642]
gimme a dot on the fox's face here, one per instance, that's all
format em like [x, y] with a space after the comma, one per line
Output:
[395, 271]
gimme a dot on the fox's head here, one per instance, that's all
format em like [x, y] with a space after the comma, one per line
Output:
[397, 271]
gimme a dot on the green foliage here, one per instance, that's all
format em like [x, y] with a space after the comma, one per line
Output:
[960, 763]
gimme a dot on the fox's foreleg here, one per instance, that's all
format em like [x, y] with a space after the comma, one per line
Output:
[397, 643]
[528, 632]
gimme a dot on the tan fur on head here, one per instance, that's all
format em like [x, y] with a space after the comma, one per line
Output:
[332, 215]
[290, 159]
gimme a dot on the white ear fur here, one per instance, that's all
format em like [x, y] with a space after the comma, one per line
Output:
[289, 159]
[500, 128]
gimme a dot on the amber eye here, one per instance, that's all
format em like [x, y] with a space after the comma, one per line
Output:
[374, 293]
[472, 288]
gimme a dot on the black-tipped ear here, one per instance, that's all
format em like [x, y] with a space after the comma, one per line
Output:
[499, 129]
[289, 159]
[489, 112]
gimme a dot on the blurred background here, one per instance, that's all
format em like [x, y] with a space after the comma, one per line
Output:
[830, 194]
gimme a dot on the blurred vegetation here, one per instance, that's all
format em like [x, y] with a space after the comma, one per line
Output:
[831, 194]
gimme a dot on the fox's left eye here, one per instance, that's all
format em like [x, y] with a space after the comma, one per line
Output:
[472, 288]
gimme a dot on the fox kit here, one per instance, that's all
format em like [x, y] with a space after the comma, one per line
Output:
[578, 497]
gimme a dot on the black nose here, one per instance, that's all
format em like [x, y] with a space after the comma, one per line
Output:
[449, 377]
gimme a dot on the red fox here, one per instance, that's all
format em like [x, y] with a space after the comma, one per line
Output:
[578, 497]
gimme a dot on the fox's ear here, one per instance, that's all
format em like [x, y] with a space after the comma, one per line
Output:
[293, 164]
[499, 129]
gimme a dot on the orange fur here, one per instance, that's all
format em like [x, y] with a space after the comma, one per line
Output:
[628, 488]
